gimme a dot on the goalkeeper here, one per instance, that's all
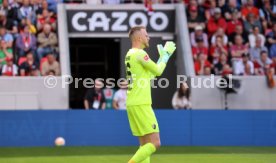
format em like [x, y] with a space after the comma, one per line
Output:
[140, 70]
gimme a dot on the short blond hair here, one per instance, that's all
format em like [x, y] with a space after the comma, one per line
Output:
[135, 29]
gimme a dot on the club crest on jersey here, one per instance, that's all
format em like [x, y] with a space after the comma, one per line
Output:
[146, 57]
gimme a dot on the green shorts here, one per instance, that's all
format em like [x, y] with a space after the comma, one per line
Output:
[142, 120]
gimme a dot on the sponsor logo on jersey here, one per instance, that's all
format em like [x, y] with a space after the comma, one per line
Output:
[154, 126]
[146, 58]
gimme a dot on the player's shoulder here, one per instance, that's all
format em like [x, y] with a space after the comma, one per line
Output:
[135, 51]
[137, 54]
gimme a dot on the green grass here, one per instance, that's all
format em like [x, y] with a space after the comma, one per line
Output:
[122, 154]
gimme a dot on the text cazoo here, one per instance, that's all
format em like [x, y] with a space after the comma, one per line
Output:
[118, 21]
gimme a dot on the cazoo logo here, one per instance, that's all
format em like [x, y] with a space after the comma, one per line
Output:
[120, 21]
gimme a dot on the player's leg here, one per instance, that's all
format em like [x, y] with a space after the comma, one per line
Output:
[150, 142]
[144, 125]
[147, 160]
[153, 138]
[141, 141]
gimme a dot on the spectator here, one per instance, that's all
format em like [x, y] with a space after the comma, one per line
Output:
[230, 9]
[94, 97]
[250, 22]
[36, 4]
[44, 6]
[247, 66]
[252, 37]
[218, 49]
[238, 31]
[109, 95]
[272, 4]
[236, 53]
[194, 19]
[233, 22]
[15, 4]
[263, 65]
[271, 39]
[51, 64]
[267, 14]
[258, 4]
[47, 42]
[25, 42]
[7, 23]
[5, 7]
[218, 67]
[199, 48]
[29, 67]
[207, 71]
[5, 52]
[13, 12]
[250, 9]
[274, 64]
[181, 98]
[6, 37]
[198, 6]
[247, 70]
[46, 18]
[198, 34]
[189, 3]
[226, 70]
[257, 49]
[51, 72]
[9, 69]
[119, 101]
[52, 5]
[26, 11]
[221, 4]
[216, 22]
[210, 7]
[27, 22]
[34, 71]
[220, 33]
[201, 63]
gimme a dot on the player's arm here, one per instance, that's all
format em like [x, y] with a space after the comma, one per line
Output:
[155, 68]
[164, 54]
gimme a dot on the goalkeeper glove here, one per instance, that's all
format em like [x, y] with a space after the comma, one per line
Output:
[170, 47]
[164, 56]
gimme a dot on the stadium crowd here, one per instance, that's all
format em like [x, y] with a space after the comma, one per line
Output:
[233, 36]
[99, 98]
[227, 36]
[28, 38]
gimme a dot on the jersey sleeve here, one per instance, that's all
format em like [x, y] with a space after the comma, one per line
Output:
[147, 63]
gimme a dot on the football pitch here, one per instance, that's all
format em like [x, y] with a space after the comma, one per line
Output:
[122, 155]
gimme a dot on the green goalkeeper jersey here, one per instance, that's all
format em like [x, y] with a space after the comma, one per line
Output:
[140, 69]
